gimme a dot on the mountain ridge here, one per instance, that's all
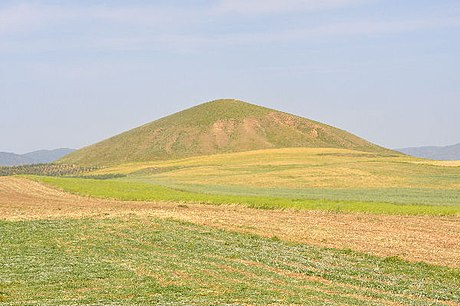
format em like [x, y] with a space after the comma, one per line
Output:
[35, 157]
[219, 126]
[450, 152]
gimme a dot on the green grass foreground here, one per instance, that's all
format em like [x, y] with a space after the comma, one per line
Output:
[139, 191]
[138, 261]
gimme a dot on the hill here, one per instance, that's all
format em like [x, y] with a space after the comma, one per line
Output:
[47, 156]
[220, 126]
[36, 157]
[438, 153]
[12, 159]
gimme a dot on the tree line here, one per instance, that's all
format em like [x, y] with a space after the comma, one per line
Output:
[46, 170]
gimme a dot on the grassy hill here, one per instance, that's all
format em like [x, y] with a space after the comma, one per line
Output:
[221, 126]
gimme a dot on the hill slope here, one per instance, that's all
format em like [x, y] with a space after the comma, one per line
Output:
[220, 126]
[439, 153]
[36, 157]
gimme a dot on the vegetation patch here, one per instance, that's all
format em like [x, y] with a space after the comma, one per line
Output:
[152, 261]
[420, 196]
[299, 168]
[135, 191]
[46, 170]
[102, 176]
[415, 238]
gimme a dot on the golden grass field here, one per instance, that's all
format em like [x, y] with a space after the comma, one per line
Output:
[301, 168]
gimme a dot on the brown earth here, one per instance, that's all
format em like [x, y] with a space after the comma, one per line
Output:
[434, 240]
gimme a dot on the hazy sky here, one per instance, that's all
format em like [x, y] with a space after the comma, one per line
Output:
[75, 72]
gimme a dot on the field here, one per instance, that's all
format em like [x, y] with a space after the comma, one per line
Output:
[62, 249]
[284, 226]
[144, 260]
[300, 168]
[143, 191]
[300, 178]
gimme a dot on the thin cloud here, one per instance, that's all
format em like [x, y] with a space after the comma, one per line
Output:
[29, 17]
[276, 6]
[386, 27]
[33, 17]
[327, 31]
[20, 17]
[160, 28]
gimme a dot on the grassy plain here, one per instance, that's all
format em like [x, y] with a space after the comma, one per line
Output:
[300, 178]
[131, 261]
[338, 227]
[301, 168]
[431, 239]
[135, 191]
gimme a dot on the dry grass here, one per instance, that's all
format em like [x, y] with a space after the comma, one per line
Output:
[441, 163]
[433, 240]
[300, 168]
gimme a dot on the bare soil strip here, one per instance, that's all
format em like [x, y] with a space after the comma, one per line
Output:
[434, 240]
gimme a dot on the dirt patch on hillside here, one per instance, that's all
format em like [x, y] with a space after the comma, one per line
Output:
[221, 131]
[434, 240]
[283, 119]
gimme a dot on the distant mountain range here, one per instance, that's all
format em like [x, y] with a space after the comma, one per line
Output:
[438, 153]
[36, 157]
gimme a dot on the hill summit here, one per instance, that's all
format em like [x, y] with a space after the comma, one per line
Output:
[220, 126]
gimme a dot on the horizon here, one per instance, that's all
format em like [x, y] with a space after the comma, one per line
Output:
[75, 74]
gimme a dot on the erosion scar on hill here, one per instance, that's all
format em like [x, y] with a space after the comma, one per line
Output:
[434, 240]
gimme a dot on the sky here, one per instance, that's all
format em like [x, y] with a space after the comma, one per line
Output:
[76, 72]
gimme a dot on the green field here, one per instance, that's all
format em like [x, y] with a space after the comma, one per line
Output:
[299, 178]
[135, 191]
[420, 196]
[140, 261]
